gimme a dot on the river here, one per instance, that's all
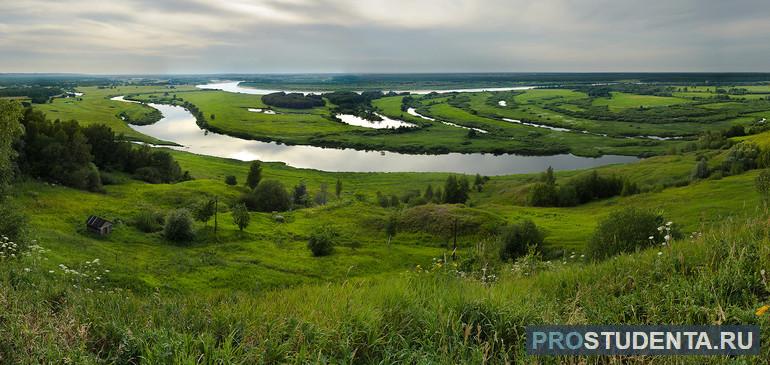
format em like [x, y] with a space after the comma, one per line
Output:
[178, 125]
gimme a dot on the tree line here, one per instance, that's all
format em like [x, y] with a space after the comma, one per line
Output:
[76, 156]
[578, 190]
[293, 100]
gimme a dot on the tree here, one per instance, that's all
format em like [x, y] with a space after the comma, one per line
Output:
[456, 190]
[321, 241]
[241, 216]
[547, 177]
[231, 180]
[300, 196]
[544, 195]
[701, 170]
[322, 196]
[338, 188]
[517, 239]
[92, 180]
[428, 193]
[478, 183]
[624, 230]
[204, 210]
[269, 196]
[255, 174]
[629, 188]
[179, 226]
[762, 183]
[391, 227]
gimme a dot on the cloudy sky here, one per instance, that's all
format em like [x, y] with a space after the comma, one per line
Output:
[213, 36]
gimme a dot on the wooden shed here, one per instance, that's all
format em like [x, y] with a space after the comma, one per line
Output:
[98, 225]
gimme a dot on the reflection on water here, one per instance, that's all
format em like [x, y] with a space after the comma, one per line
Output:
[260, 110]
[414, 112]
[376, 124]
[234, 87]
[179, 126]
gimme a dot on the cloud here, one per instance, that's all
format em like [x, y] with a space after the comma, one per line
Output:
[147, 36]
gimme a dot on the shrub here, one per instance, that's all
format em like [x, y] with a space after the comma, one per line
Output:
[741, 157]
[762, 183]
[179, 226]
[13, 223]
[701, 170]
[269, 196]
[624, 231]
[517, 239]
[231, 180]
[148, 221]
[204, 210]
[300, 196]
[241, 216]
[255, 174]
[544, 195]
[321, 242]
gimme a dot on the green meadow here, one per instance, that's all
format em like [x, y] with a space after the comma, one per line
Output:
[393, 288]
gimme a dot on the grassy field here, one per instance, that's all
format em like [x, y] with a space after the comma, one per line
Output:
[425, 316]
[228, 113]
[620, 101]
[94, 107]
[270, 254]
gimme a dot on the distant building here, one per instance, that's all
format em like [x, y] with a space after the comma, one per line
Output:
[98, 225]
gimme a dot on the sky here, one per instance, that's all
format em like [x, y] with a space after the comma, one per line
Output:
[303, 36]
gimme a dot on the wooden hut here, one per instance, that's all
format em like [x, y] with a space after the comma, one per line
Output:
[98, 225]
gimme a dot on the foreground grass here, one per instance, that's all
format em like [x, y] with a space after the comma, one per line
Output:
[418, 317]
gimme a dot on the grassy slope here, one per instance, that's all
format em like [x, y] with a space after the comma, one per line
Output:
[409, 318]
[269, 254]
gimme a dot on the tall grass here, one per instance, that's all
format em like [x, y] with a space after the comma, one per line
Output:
[427, 317]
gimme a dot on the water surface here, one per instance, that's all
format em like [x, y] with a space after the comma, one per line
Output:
[178, 125]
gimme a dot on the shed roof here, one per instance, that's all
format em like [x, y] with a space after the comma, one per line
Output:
[96, 222]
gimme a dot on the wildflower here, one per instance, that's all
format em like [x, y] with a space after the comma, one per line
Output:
[667, 237]
[50, 271]
[26, 269]
[660, 253]
[669, 224]
[652, 238]
[762, 310]
[582, 256]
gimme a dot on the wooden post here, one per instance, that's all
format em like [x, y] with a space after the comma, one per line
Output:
[216, 210]
[454, 246]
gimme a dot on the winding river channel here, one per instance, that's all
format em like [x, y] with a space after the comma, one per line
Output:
[178, 125]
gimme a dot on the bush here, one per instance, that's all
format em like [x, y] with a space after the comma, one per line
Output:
[231, 180]
[517, 239]
[255, 174]
[701, 170]
[148, 221]
[179, 226]
[13, 223]
[269, 196]
[762, 183]
[544, 195]
[321, 242]
[241, 217]
[625, 230]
